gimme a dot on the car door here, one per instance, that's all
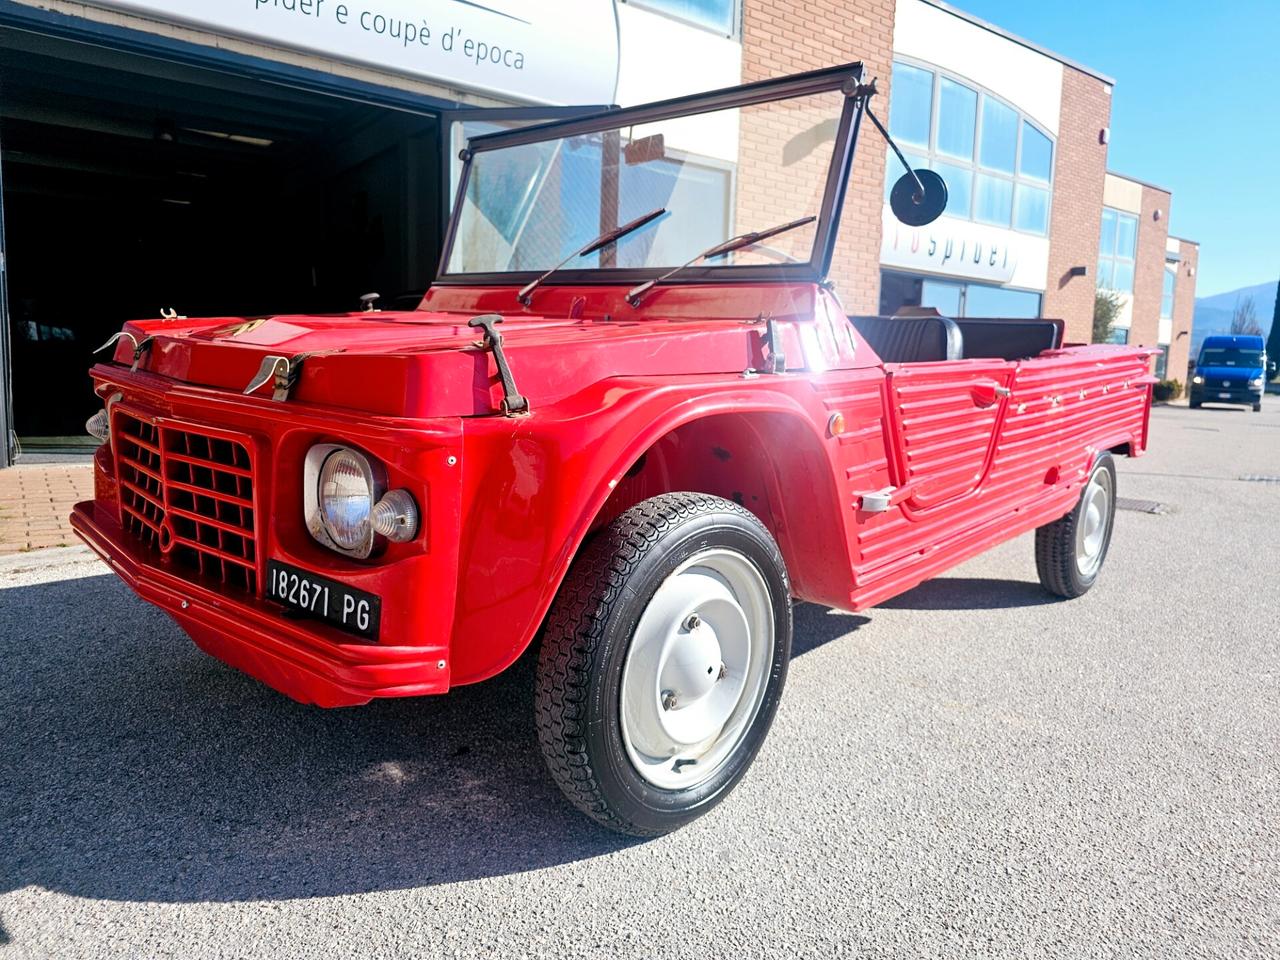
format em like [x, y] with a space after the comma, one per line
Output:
[944, 418]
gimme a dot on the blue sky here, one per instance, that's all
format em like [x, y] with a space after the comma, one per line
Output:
[1195, 111]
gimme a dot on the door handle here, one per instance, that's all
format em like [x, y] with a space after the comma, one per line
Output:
[986, 392]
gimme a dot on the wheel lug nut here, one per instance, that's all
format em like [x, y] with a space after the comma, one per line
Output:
[723, 670]
[693, 623]
[668, 700]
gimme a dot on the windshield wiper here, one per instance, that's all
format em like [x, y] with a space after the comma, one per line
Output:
[525, 295]
[636, 294]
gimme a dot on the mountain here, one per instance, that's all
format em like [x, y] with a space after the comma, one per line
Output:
[1213, 314]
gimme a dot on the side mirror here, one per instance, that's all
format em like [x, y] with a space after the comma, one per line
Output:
[913, 206]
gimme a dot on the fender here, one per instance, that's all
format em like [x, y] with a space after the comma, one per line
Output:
[552, 476]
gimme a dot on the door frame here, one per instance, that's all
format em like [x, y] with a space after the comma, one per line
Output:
[7, 435]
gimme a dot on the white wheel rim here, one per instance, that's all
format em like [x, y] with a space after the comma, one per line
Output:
[1095, 517]
[697, 669]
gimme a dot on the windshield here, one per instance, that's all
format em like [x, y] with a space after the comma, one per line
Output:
[1230, 357]
[529, 206]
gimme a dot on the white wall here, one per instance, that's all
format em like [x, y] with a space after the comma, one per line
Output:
[662, 58]
[1029, 80]
[962, 249]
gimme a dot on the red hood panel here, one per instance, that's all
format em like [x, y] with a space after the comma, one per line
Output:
[424, 364]
[428, 363]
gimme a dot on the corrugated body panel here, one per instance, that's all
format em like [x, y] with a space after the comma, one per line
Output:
[1063, 408]
[943, 437]
[861, 451]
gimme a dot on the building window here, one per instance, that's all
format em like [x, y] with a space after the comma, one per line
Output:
[1166, 296]
[998, 165]
[1119, 335]
[1116, 250]
[955, 298]
[718, 15]
[1162, 362]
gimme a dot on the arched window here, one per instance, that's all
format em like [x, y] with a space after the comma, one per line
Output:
[998, 164]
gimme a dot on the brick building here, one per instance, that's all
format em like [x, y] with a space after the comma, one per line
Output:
[1036, 223]
[337, 127]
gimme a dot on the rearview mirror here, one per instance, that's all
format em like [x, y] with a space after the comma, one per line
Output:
[914, 207]
[645, 150]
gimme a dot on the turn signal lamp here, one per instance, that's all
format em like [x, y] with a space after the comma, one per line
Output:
[99, 426]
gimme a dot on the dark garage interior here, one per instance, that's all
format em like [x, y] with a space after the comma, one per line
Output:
[133, 184]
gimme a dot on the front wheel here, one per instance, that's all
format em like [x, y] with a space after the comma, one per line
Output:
[663, 661]
[1257, 408]
[1070, 551]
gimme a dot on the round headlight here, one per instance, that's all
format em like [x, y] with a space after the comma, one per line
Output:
[346, 500]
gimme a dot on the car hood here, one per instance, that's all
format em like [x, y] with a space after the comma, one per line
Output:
[423, 363]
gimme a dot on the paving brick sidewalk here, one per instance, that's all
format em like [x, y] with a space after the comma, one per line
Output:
[35, 502]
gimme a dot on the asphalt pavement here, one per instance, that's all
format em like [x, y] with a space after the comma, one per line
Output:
[971, 770]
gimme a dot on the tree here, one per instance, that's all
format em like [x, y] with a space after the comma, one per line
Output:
[1244, 319]
[1106, 308]
[1273, 341]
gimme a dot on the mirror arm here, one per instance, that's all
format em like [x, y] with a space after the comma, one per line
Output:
[919, 196]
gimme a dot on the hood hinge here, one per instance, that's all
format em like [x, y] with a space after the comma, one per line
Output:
[281, 372]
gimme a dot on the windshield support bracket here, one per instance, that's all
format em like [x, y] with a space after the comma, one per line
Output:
[777, 359]
[513, 404]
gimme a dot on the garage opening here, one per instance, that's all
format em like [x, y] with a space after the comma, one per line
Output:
[132, 185]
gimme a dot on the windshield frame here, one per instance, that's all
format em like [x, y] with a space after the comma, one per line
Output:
[846, 78]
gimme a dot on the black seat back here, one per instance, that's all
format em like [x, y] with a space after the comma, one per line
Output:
[1009, 339]
[911, 339]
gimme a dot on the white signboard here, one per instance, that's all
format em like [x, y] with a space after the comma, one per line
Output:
[951, 247]
[541, 51]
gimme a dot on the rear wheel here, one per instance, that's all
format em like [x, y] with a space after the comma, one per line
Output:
[1070, 551]
[663, 661]
[1257, 407]
[1195, 404]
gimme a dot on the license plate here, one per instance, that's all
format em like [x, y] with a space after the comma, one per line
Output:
[348, 609]
[1224, 396]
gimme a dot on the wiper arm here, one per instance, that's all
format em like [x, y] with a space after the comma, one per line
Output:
[525, 295]
[636, 294]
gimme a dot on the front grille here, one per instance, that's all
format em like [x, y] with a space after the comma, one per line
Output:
[188, 493]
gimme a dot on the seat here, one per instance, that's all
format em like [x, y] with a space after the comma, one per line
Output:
[907, 339]
[1009, 339]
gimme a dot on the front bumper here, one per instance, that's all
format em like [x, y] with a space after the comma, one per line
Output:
[1206, 393]
[252, 635]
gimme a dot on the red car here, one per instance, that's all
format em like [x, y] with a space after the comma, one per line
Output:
[609, 431]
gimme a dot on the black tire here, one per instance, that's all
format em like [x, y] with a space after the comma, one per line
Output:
[1195, 404]
[1056, 560]
[1257, 408]
[585, 645]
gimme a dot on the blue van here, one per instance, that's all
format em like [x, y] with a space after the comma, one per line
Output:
[1231, 369]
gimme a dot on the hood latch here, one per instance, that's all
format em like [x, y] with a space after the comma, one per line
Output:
[281, 372]
[513, 404]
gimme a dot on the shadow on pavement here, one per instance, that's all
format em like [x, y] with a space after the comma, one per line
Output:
[816, 626]
[136, 768]
[970, 593]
